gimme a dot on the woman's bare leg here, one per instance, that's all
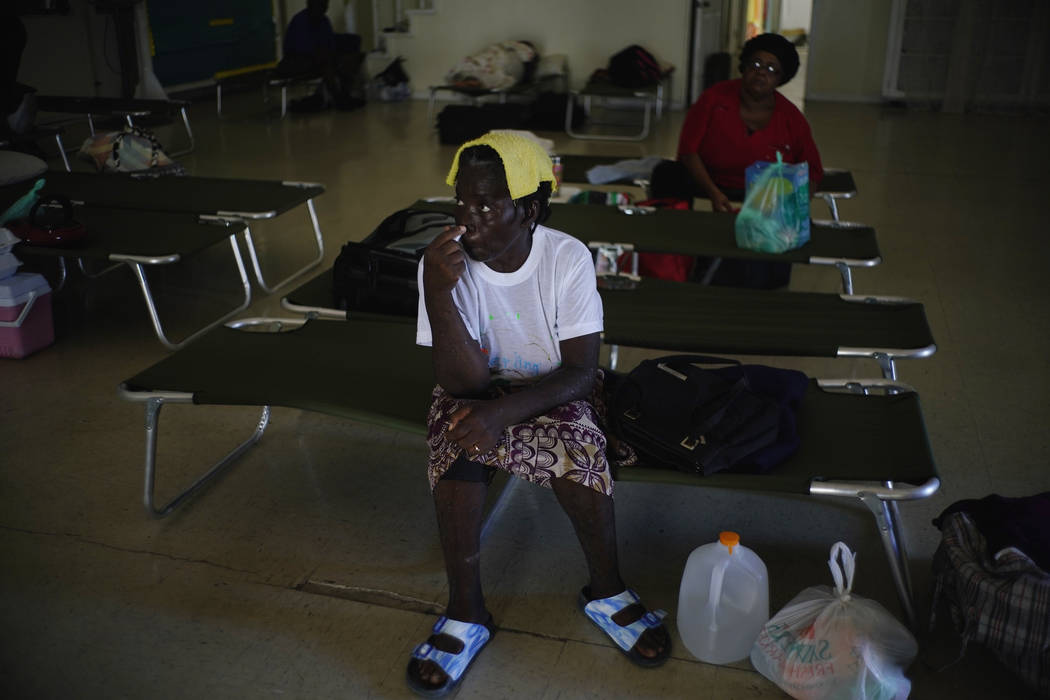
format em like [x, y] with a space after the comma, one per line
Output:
[459, 506]
[594, 520]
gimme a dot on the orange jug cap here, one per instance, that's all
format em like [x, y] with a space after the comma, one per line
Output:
[729, 539]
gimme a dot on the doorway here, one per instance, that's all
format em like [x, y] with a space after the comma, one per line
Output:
[720, 28]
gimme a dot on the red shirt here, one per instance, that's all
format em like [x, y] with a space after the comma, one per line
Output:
[714, 130]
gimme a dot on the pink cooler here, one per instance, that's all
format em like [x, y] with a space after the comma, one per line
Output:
[25, 314]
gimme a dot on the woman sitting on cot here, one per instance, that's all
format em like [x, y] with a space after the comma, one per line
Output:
[512, 312]
[738, 122]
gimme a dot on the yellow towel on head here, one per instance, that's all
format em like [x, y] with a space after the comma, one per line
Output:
[525, 163]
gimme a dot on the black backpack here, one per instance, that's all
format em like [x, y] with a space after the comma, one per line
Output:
[378, 275]
[409, 230]
[634, 67]
[702, 421]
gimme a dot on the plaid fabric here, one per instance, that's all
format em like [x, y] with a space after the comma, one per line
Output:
[1002, 603]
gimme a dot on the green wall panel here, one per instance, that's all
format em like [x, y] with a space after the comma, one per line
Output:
[194, 39]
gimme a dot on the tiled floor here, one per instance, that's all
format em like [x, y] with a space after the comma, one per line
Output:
[313, 568]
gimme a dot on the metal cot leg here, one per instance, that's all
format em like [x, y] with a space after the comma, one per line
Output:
[189, 131]
[151, 307]
[847, 277]
[641, 135]
[269, 289]
[153, 406]
[892, 511]
[62, 152]
[886, 519]
[832, 205]
[887, 365]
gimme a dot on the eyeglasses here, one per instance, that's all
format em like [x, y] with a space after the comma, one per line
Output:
[757, 66]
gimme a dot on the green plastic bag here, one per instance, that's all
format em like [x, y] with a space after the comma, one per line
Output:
[775, 214]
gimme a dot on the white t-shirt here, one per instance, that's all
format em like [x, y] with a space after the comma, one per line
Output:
[520, 317]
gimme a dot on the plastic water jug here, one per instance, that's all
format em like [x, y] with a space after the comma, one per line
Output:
[723, 601]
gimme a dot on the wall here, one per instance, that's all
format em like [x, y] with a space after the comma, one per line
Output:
[64, 52]
[67, 54]
[847, 53]
[795, 14]
[587, 32]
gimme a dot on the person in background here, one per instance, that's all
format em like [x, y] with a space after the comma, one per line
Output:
[734, 124]
[738, 122]
[312, 48]
[512, 312]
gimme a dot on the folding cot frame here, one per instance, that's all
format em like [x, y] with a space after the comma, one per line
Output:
[117, 237]
[369, 370]
[258, 74]
[262, 74]
[209, 198]
[555, 78]
[652, 99]
[286, 82]
[126, 109]
[837, 184]
[41, 132]
[476, 94]
[685, 317]
[843, 245]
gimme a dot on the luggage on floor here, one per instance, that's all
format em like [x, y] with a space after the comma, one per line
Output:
[992, 572]
[458, 124]
[832, 643]
[548, 112]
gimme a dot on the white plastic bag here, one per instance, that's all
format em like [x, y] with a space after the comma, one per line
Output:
[829, 643]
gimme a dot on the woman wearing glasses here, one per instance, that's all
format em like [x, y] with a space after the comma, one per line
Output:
[738, 122]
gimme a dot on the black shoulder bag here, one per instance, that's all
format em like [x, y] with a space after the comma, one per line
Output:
[699, 421]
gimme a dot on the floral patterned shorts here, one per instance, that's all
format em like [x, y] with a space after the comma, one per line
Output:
[567, 442]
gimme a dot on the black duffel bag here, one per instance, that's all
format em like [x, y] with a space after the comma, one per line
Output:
[700, 421]
[378, 274]
[375, 280]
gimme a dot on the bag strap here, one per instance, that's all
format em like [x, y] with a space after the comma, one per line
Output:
[704, 418]
[701, 424]
[678, 360]
[154, 144]
[439, 219]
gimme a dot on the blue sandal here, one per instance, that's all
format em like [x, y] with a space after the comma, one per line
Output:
[472, 636]
[601, 612]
